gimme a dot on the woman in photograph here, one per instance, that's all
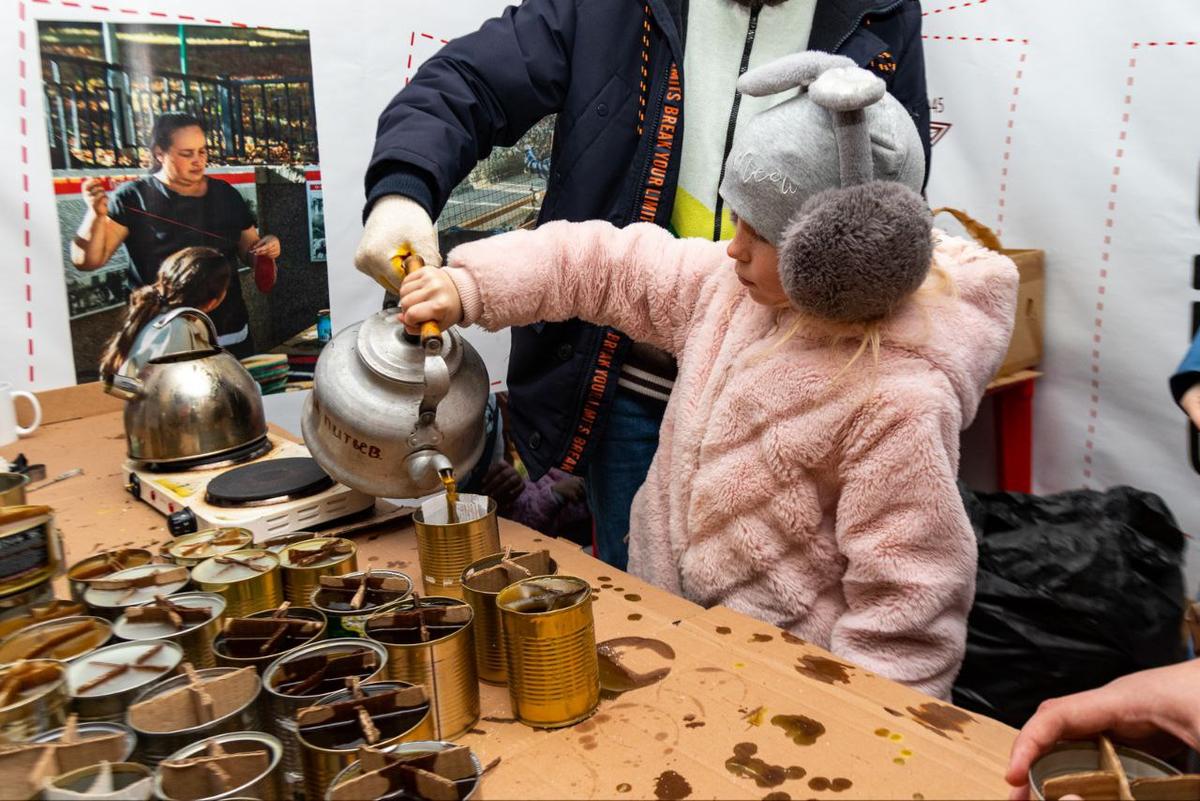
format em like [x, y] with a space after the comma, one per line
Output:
[176, 206]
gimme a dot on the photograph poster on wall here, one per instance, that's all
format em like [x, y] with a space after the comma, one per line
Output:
[316, 221]
[171, 137]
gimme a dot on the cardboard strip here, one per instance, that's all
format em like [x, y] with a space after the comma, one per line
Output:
[434, 776]
[25, 768]
[61, 638]
[154, 579]
[306, 557]
[1171, 788]
[353, 583]
[203, 700]
[307, 672]
[499, 576]
[1110, 762]
[23, 677]
[1093, 784]
[400, 698]
[207, 776]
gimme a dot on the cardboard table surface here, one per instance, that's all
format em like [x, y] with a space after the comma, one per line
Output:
[746, 711]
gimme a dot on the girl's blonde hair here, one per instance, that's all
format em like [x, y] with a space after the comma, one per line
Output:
[190, 277]
[870, 333]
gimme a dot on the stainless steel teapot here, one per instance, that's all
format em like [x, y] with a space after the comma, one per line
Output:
[190, 404]
[390, 412]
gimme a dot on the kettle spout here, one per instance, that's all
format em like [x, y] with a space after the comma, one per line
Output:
[426, 465]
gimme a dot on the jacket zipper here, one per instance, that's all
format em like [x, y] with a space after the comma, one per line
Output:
[861, 17]
[656, 116]
[751, 31]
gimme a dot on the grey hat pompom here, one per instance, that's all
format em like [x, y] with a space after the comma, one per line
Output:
[852, 254]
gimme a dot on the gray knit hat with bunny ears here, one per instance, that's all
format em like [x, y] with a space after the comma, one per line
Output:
[832, 178]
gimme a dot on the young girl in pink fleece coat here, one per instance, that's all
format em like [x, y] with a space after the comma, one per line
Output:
[806, 468]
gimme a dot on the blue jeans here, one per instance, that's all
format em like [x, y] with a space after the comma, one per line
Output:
[618, 469]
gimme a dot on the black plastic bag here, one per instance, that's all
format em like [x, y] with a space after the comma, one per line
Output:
[1073, 590]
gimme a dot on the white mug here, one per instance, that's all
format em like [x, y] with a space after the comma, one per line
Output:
[9, 430]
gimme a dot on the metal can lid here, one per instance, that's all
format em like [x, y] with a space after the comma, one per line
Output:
[213, 571]
[210, 542]
[127, 630]
[233, 743]
[40, 690]
[343, 645]
[155, 660]
[289, 553]
[544, 595]
[31, 639]
[1067, 758]
[115, 599]
[118, 559]
[322, 598]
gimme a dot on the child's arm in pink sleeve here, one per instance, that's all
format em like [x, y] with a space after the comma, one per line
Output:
[910, 550]
[639, 279]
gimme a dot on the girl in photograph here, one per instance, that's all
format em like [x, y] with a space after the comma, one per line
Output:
[194, 277]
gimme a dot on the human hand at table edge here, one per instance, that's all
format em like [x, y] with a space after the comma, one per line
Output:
[1190, 402]
[430, 295]
[1153, 710]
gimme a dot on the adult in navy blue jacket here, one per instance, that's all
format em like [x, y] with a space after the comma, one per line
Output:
[1185, 384]
[613, 73]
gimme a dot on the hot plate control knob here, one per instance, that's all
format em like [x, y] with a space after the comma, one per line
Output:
[182, 522]
[134, 486]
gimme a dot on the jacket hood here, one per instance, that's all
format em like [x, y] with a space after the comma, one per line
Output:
[964, 332]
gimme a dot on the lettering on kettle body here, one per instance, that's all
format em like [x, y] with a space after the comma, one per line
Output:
[363, 447]
[749, 170]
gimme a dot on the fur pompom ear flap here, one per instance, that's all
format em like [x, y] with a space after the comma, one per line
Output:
[853, 254]
[790, 72]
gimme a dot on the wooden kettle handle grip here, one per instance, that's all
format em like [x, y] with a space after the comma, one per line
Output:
[409, 264]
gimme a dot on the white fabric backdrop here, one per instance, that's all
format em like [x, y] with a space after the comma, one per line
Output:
[1071, 127]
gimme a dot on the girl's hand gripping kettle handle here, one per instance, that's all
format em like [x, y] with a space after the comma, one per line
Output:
[404, 262]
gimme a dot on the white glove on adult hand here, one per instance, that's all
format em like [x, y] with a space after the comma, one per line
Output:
[395, 222]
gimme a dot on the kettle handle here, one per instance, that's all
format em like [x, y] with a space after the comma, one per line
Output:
[406, 263]
[195, 314]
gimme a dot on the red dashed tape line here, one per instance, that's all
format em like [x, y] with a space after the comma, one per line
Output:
[948, 9]
[1002, 197]
[21, 71]
[412, 47]
[994, 39]
[1089, 444]
[132, 11]
[1008, 138]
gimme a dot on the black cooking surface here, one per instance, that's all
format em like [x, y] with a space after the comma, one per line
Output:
[245, 453]
[271, 480]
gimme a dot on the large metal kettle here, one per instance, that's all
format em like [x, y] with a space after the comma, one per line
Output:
[391, 413]
[192, 404]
